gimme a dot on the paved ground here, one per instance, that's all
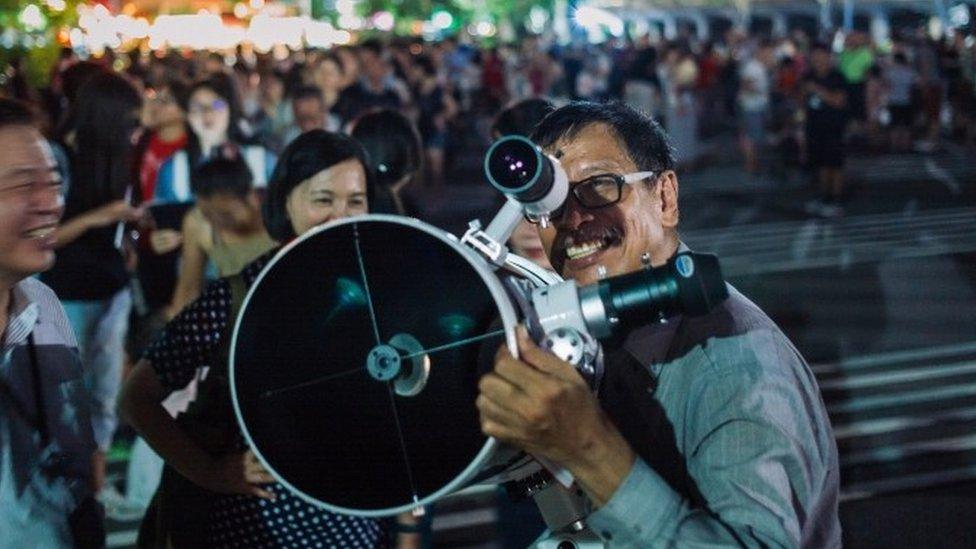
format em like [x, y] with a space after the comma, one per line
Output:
[882, 301]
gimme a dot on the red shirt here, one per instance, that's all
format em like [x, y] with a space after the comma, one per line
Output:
[157, 152]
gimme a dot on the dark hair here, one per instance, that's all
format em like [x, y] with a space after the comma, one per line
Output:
[373, 45]
[522, 117]
[820, 46]
[308, 92]
[392, 143]
[15, 113]
[105, 115]
[426, 64]
[222, 174]
[646, 142]
[180, 92]
[75, 76]
[309, 154]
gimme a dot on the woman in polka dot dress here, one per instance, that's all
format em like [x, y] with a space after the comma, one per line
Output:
[214, 492]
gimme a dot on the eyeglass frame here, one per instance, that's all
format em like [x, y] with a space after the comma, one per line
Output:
[217, 105]
[621, 180]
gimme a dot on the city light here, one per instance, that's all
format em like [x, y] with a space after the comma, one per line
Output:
[442, 20]
[32, 18]
[56, 6]
[598, 23]
[383, 20]
[240, 10]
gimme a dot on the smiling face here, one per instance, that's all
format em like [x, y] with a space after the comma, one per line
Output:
[30, 203]
[616, 236]
[337, 192]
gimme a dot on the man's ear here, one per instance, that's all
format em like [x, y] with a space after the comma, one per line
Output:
[667, 190]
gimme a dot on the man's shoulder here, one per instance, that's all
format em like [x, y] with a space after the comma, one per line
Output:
[54, 326]
[736, 336]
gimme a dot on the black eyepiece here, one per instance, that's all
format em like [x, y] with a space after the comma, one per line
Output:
[517, 167]
[689, 284]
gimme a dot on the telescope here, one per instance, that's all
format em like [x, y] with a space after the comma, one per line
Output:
[356, 356]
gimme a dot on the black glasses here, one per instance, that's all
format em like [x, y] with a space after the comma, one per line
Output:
[598, 191]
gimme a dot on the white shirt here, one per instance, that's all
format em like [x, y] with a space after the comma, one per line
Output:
[754, 93]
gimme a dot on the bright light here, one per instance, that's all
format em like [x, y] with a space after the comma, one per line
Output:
[257, 4]
[199, 32]
[76, 38]
[346, 7]
[266, 32]
[57, 5]
[383, 20]
[32, 19]
[350, 21]
[597, 21]
[240, 10]
[319, 34]
[538, 17]
[442, 20]
[485, 28]
[342, 37]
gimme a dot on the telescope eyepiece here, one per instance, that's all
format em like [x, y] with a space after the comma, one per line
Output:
[517, 167]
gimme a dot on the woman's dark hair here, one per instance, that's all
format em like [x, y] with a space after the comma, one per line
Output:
[309, 154]
[392, 143]
[105, 117]
[522, 117]
[642, 137]
[15, 113]
[222, 175]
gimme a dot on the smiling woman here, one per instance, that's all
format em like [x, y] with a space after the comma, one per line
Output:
[213, 491]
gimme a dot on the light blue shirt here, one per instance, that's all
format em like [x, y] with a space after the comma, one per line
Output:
[749, 431]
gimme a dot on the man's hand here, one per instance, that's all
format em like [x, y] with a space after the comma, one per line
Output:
[542, 405]
[236, 474]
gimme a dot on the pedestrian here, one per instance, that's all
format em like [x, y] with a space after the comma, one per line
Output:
[825, 93]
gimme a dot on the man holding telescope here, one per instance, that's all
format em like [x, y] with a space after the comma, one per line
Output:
[705, 431]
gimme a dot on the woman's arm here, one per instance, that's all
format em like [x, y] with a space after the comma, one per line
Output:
[113, 212]
[193, 266]
[140, 405]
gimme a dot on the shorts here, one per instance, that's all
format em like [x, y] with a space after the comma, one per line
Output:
[752, 124]
[825, 149]
[901, 115]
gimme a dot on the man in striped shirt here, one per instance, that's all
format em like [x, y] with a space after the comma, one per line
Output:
[46, 441]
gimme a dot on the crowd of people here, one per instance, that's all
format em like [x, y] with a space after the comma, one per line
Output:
[184, 168]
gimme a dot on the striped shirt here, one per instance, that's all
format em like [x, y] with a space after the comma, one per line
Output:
[41, 486]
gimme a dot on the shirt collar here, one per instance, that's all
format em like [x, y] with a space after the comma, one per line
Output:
[23, 316]
[649, 344]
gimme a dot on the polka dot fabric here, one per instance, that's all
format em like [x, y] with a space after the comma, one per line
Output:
[243, 521]
[188, 343]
